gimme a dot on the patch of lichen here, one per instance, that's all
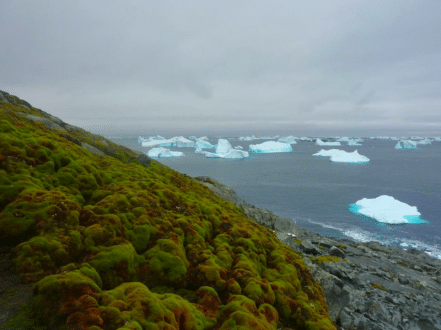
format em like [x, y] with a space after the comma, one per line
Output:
[113, 244]
[322, 259]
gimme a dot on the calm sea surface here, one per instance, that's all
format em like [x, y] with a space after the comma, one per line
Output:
[316, 193]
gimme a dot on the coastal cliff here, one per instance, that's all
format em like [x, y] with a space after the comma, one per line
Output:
[96, 236]
[366, 285]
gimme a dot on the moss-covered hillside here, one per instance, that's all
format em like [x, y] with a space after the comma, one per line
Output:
[112, 242]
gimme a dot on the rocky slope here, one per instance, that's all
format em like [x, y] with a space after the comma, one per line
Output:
[366, 285]
[98, 237]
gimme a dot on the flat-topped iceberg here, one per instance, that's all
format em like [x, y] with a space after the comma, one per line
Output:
[270, 147]
[289, 139]
[225, 150]
[161, 152]
[341, 156]
[387, 209]
[177, 141]
[319, 142]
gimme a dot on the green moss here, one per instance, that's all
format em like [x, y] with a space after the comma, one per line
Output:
[105, 223]
[322, 259]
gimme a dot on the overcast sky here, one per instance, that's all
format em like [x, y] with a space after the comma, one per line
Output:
[341, 66]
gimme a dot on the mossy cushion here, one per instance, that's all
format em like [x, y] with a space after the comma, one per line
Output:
[114, 244]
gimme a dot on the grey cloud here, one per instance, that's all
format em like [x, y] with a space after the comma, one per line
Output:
[365, 64]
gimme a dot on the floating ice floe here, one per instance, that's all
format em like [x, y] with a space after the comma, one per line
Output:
[387, 209]
[289, 139]
[305, 138]
[319, 142]
[425, 141]
[341, 156]
[161, 152]
[247, 138]
[225, 150]
[406, 144]
[354, 142]
[270, 147]
[178, 141]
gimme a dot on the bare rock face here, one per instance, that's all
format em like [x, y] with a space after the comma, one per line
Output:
[2, 97]
[366, 285]
[49, 123]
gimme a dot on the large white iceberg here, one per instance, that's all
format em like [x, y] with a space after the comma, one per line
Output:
[341, 156]
[319, 142]
[387, 209]
[225, 150]
[289, 139]
[270, 147]
[161, 152]
[178, 141]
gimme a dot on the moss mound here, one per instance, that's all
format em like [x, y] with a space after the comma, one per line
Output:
[114, 244]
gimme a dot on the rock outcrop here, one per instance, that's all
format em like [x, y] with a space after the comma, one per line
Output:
[367, 286]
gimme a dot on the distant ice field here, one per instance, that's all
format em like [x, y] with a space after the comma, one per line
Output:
[317, 193]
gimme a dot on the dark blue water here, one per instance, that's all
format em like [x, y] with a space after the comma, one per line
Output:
[316, 193]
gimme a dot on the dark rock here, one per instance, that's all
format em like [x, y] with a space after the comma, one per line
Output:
[334, 251]
[308, 248]
[2, 97]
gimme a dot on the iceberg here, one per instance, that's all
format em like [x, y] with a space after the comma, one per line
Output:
[179, 141]
[223, 147]
[163, 153]
[289, 139]
[304, 138]
[387, 209]
[341, 156]
[353, 143]
[225, 150]
[270, 147]
[425, 141]
[319, 142]
[238, 147]
[203, 144]
[247, 138]
[406, 144]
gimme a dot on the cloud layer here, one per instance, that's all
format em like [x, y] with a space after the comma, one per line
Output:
[171, 65]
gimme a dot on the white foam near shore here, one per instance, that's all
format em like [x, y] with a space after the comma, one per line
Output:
[341, 156]
[387, 209]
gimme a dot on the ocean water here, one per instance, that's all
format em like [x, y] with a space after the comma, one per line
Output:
[317, 193]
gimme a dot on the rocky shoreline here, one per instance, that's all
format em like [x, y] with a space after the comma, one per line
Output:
[366, 285]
